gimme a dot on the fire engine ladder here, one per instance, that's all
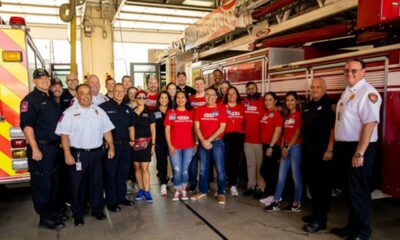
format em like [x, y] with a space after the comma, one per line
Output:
[289, 19]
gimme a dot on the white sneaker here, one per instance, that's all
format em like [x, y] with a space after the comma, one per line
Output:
[128, 187]
[176, 196]
[163, 190]
[234, 191]
[268, 200]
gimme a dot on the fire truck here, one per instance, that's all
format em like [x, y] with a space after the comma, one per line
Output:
[19, 57]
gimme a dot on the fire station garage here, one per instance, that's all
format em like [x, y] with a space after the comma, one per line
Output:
[200, 119]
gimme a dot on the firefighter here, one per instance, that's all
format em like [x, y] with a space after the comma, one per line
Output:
[82, 128]
[357, 116]
[69, 93]
[116, 169]
[317, 134]
[39, 117]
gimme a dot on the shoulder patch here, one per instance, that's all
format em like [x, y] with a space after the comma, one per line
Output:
[373, 97]
[24, 106]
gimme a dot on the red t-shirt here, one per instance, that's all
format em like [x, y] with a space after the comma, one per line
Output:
[181, 128]
[253, 112]
[292, 122]
[268, 123]
[151, 101]
[220, 100]
[235, 118]
[197, 102]
[210, 119]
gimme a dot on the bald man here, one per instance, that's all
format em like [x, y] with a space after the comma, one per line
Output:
[318, 140]
[94, 83]
[69, 93]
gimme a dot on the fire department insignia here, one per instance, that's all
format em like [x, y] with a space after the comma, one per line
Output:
[24, 106]
[373, 97]
[352, 96]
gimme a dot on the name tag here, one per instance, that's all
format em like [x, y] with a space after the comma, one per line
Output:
[172, 117]
[158, 115]
[319, 108]
[145, 115]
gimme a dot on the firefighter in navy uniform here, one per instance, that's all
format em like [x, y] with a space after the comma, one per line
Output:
[68, 94]
[116, 169]
[318, 122]
[82, 128]
[357, 116]
[39, 117]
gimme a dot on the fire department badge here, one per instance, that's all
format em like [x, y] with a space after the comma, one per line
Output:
[352, 96]
[24, 106]
[373, 97]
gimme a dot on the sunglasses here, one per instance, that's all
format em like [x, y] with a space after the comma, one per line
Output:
[141, 98]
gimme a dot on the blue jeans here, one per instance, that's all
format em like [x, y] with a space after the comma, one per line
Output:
[293, 160]
[218, 152]
[194, 170]
[180, 165]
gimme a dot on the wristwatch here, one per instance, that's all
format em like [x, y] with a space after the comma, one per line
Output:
[358, 155]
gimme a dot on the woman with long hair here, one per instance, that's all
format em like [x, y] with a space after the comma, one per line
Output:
[291, 155]
[222, 91]
[163, 104]
[180, 138]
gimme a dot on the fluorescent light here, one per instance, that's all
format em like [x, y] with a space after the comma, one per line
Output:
[200, 3]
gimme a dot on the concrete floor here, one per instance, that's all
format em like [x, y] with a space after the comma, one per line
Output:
[241, 218]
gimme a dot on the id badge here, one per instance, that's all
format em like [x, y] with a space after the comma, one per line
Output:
[78, 166]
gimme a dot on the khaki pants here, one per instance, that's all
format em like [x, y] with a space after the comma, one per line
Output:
[254, 158]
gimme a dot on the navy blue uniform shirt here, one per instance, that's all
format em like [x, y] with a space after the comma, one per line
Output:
[41, 112]
[122, 116]
[65, 99]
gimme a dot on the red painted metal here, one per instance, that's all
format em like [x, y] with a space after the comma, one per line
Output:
[376, 12]
[270, 8]
[327, 32]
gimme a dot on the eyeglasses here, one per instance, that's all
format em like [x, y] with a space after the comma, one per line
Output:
[72, 79]
[352, 71]
[210, 95]
[141, 98]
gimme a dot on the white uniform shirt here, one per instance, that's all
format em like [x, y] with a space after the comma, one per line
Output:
[358, 105]
[96, 100]
[84, 126]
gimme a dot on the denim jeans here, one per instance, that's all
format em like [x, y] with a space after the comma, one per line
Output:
[293, 161]
[218, 152]
[180, 166]
[194, 170]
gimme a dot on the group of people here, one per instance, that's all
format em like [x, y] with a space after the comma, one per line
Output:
[203, 127]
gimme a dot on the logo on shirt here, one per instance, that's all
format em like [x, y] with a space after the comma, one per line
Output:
[172, 117]
[158, 115]
[373, 97]
[183, 118]
[24, 106]
[211, 115]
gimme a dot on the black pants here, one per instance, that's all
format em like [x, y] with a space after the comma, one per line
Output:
[45, 179]
[357, 191]
[116, 172]
[90, 176]
[162, 162]
[318, 176]
[233, 152]
[270, 168]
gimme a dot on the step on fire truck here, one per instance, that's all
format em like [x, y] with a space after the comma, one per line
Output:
[19, 57]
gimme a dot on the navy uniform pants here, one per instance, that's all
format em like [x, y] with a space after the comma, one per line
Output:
[358, 187]
[116, 172]
[90, 176]
[319, 179]
[44, 179]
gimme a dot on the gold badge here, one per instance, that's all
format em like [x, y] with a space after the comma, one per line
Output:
[352, 96]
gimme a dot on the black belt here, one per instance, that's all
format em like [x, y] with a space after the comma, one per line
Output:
[120, 142]
[48, 142]
[86, 150]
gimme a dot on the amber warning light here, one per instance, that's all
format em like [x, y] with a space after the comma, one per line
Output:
[12, 56]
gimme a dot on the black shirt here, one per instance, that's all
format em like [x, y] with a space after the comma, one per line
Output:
[143, 121]
[41, 112]
[160, 128]
[121, 116]
[65, 100]
[188, 90]
[318, 120]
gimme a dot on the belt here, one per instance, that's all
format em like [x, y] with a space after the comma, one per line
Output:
[48, 142]
[86, 150]
[120, 142]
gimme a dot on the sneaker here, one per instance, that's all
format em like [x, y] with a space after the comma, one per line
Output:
[234, 191]
[221, 199]
[176, 196]
[163, 190]
[268, 200]
[139, 195]
[248, 192]
[147, 197]
[293, 208]
[128, 188]
[184, 196]
[198, 196]
[275, 206]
